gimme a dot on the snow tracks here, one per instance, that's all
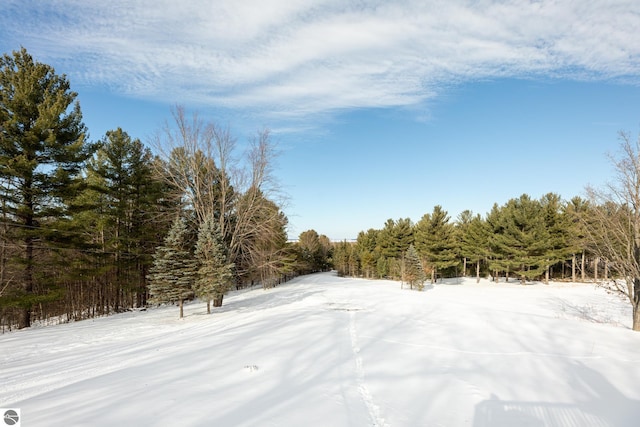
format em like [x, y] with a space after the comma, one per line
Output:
[374, 410]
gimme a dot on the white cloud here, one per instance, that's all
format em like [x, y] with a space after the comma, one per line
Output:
[303, 58]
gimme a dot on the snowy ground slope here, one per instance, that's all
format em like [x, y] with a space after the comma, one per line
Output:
[329, 351]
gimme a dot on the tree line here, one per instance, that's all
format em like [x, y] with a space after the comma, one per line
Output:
[89, 228]
[525, 239]
[584, 239]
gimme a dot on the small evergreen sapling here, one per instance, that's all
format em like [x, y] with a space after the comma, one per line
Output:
[172, 275]
[215, 273]
[413, 271]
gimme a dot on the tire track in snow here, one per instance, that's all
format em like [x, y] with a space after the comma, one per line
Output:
[374, 410]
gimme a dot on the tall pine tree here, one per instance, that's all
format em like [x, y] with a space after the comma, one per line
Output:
[127, 200]
[474, 240]
[435, 240]
[42, 151]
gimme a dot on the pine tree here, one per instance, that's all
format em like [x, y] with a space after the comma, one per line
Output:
[413, 270]
[520, 238]
[215, 273]
[42, 151]
[310, 251]
[500, 257]
[340, 259]
[391, 243]
[172, 276]
[577, 213]
[126, 200]
[366, 247]
[435, 240]
[474, 241]
[556, 244]
[396, 236]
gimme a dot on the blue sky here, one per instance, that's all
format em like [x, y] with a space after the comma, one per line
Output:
[381, 109]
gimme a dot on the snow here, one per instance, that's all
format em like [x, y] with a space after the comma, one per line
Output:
[328, 351]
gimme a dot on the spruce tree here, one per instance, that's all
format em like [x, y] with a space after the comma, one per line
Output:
[172, 276]
[215, 273]
[413, 270]
[42, 151]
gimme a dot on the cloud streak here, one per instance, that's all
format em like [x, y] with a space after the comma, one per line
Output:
[299, 59]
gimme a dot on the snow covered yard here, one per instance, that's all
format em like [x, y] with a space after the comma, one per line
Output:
[329, 351]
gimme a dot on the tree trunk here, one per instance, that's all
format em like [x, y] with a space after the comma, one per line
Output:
[208, 306]
[635, 302]
[595, 269]
[546, 275]
[464, 268]
[181, 309]
[582, 273]
[478, 272]
[24, 317]
[217, 301]
[573, 268]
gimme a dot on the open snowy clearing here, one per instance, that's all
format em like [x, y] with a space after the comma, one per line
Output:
[328, 351]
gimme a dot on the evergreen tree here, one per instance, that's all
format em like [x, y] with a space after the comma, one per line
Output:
[396, 236]
[215, 273]
[310, 251]
[366, 248]
[172, 276]
[413, 270]
[555, 239]
[391, 243]
[128, 199]
[522, 238]
[435, 240]
[500, 258]
[341, 253]
[42, 151]
[577, 214]
[474, 240]
[461, 225]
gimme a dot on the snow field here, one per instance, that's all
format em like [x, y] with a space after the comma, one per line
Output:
[322, 350]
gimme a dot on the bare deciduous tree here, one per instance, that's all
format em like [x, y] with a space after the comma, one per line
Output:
[614, 225]
[240, 193]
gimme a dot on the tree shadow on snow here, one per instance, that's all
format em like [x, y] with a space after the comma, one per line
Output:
[607, 407]
[594, 313]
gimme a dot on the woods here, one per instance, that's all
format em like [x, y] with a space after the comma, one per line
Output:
[90, 228]
[94, 227]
